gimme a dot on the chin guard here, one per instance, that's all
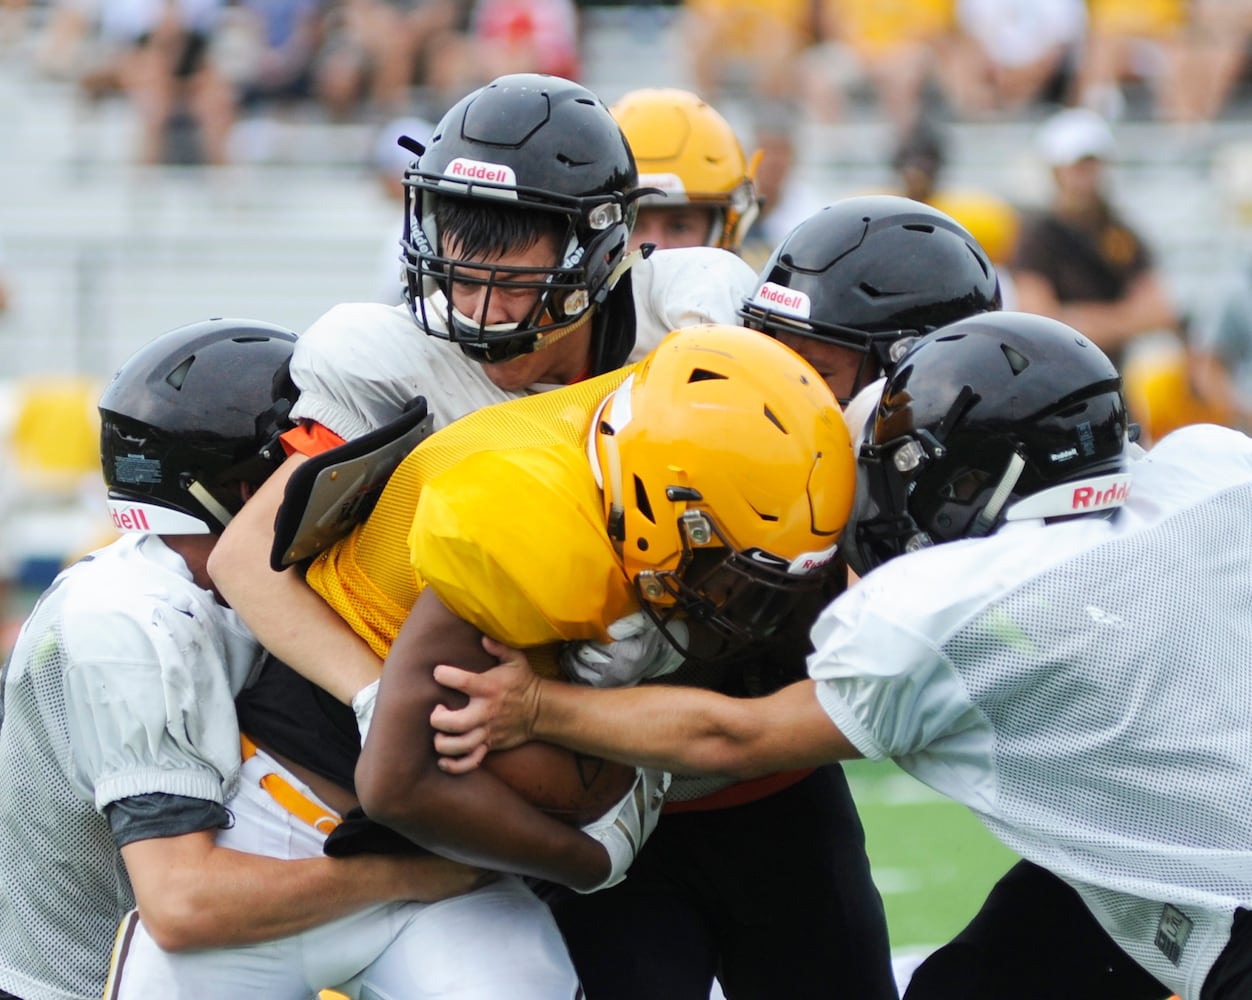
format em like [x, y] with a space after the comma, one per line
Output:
[333, 492]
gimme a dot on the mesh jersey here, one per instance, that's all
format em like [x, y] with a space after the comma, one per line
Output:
[359, 363]
[1084, 688]
[500, 513]
[121, 684]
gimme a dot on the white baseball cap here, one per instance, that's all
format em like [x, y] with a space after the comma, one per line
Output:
[1075, 134]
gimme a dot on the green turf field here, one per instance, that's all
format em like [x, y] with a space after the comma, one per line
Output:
[932, 861]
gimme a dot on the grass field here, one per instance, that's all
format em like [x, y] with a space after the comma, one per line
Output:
[932, 860]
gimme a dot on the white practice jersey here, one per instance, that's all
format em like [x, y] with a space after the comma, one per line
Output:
[360, 363]
[122, 683]
[1084, 688]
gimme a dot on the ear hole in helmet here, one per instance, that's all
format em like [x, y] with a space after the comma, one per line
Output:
[1018, 362]
[965, 486]
[178, 376]
[642, 501]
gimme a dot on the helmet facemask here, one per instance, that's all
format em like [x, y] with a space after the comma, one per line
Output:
[494, 222]
[740, 596]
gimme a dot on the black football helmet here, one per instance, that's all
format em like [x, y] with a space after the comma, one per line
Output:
[871, 273]
[994, 418]
[531, 142]
[188, 417]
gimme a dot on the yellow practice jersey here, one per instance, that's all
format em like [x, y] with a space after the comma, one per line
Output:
[500, 513]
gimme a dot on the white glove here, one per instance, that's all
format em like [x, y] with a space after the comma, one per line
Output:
[638, 652]
[363, 704]
[624, 828]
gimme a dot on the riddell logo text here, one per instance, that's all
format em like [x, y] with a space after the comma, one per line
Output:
[1089, 498]
[795, 302]
[131, 519]
[476, 170]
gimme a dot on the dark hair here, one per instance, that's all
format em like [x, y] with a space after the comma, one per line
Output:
[488, 228]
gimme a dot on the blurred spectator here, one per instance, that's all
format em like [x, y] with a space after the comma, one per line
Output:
[375, 51]
[156, 53]
[52, 507]
[1008, 54]
[1078, 260]
[507, 36]
[1162, 386]
[1221, 356]
[919, 160]
[687, 150]
[1221, 33]
[896, 46]
[1142, 42]
[746, 46]
[389, 162]
[787, 198]
[268, 49]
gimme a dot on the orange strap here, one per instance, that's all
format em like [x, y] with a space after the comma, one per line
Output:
[291, 798]
[740, 793]
[309, 439]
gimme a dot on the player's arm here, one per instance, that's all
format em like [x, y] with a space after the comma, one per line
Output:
[684, 730]
[283, 612]
[1110, 325]
[475, 817]
[193, 894]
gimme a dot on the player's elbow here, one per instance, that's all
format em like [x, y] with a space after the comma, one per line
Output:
[725, 757]
[392, 799]
[177, 922]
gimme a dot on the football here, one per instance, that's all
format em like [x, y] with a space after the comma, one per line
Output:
[566, 785]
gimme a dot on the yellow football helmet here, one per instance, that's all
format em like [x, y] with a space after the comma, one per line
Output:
[683, 147]
[727, 475]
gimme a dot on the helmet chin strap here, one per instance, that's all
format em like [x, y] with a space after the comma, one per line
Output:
[209, 502]
[986, 518]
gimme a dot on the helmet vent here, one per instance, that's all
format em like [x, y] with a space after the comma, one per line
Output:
[178, 376]
[703, 375]
[1018, 362]
[918, 227]
[875, 293]
[642, 501]
[773, 419]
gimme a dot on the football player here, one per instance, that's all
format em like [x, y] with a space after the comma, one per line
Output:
[1013, 644]
[685, 150]
[121, 755]
[765, 921]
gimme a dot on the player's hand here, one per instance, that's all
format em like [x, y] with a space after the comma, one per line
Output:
[623, 829]
[428, 878]
[501, 713]
[639, 650]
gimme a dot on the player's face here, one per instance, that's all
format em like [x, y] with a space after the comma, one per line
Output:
[669, 228]
[489, 298]
[838, 365]
[508, 300]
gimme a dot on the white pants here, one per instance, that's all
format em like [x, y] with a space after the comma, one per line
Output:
[497, 941]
